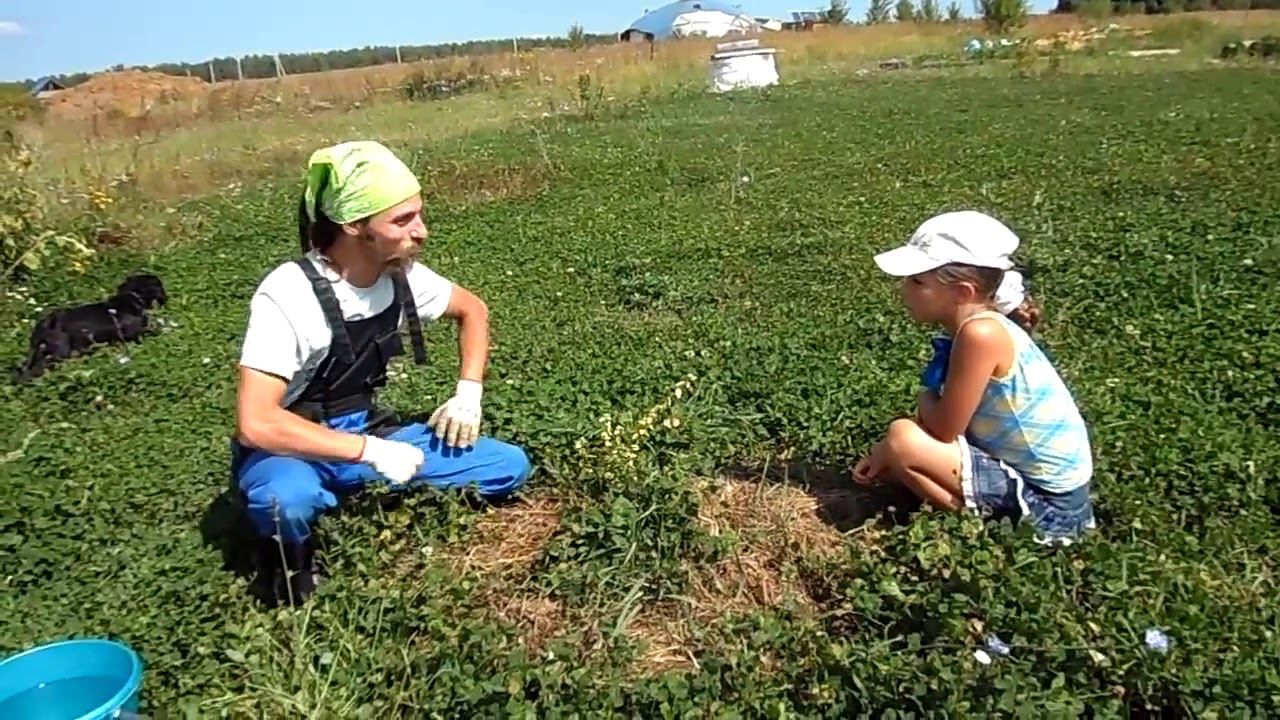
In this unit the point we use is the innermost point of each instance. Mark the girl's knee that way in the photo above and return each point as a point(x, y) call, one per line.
point(904, 439)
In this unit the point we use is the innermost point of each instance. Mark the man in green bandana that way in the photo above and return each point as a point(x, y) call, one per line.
point(321, 331)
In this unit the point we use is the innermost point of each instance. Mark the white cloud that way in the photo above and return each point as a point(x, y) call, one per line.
point(9, 28)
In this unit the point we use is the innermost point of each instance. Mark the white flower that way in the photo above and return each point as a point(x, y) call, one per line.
point(996, 645)
point(1156, 640)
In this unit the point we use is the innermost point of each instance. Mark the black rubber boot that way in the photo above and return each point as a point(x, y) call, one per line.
point(292, 582)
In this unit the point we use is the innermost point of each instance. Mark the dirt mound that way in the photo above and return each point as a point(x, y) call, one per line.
point(128, 93)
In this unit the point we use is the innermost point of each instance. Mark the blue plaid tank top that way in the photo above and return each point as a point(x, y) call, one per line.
point(1029, 419)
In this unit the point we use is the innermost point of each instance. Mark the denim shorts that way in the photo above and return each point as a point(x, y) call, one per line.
point(994, 489)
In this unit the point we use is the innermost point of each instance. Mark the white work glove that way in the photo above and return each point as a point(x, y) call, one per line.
point(457, 422)
point(396, 461)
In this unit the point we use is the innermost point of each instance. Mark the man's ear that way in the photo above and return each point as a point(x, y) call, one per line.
point(357, 230)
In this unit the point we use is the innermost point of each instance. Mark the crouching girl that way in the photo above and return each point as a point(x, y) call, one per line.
point(996, 431)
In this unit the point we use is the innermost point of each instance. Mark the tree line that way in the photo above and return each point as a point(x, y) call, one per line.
point(264, 66)
point(1152, 7)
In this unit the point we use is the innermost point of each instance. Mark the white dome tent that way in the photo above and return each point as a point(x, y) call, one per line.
point(691, 18)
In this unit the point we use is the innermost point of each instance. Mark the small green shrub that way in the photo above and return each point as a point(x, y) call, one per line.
point(27, 243)
point(589, 97)
point(577, 37)
point(1266, 47)
point(16, 105)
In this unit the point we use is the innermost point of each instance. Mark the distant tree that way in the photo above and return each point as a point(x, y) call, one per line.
point(838, 12)
point(1002, 16)
point(953, 12)
point(905, 11)
point(879, 11)
point(577, 37)
point(930, 11)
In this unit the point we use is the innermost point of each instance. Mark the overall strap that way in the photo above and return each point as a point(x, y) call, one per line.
point(404, 297)
point(340, 345)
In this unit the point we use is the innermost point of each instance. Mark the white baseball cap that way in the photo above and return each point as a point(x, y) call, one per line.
point(966, 236)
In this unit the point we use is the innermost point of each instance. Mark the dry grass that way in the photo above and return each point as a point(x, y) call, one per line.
point(665, 637)
point(537, 618)
point(477, 183)
point(210, 156)
point(502, 550)
point(507, 541)
point(777, 527)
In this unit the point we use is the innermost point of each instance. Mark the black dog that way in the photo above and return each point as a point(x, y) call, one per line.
point(68, 332)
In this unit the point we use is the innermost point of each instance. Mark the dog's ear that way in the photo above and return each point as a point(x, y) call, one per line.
point(134, 282)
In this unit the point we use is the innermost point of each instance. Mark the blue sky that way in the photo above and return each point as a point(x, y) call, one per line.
point(43, 37)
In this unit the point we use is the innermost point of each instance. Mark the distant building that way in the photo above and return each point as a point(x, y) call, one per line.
point(47, 86)
point(691, 18)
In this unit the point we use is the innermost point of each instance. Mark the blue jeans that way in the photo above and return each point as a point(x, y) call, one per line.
point(297, 491)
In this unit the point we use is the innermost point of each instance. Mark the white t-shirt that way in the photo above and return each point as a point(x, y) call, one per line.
point(287, 334)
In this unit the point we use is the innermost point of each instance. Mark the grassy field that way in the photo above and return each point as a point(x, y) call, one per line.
point(692, 342)
point(253, 130)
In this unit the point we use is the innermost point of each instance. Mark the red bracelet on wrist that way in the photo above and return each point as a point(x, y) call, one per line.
point(363, 442)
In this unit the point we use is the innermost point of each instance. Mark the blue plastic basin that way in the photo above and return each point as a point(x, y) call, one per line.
point(71, 680)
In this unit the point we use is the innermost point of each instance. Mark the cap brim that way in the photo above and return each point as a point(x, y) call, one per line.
point(905, 261)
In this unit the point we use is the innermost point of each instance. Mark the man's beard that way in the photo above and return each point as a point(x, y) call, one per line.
point(399, 262)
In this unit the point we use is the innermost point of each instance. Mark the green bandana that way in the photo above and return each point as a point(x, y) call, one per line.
point(355, 180)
